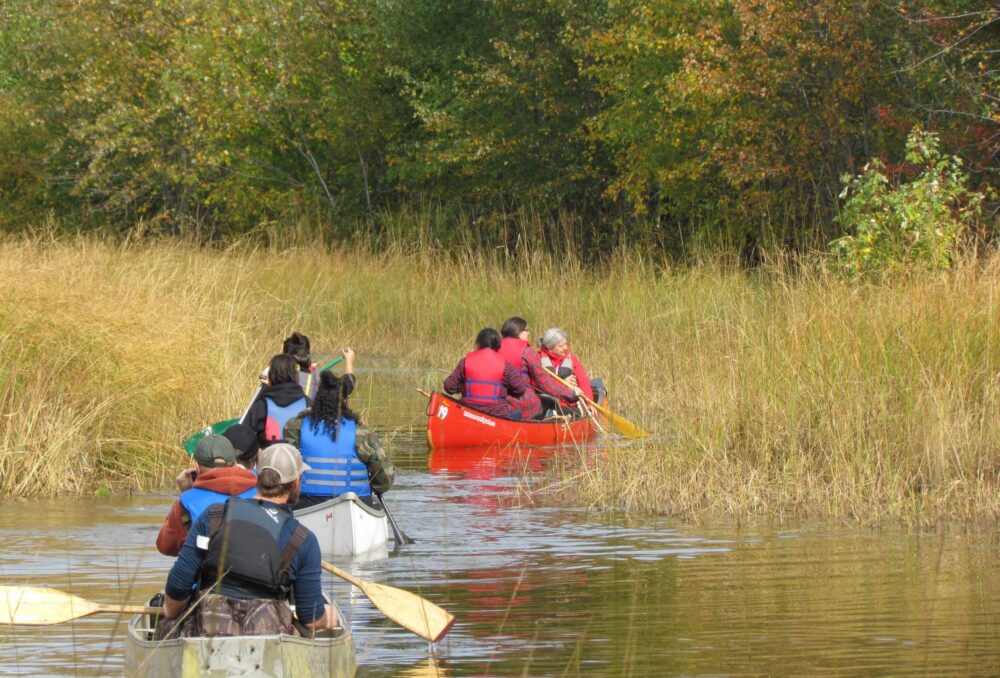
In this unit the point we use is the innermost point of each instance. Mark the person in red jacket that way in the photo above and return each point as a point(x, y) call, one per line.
point(556, 357)
point(516, 350)
point(486, 380)
point(216, 479)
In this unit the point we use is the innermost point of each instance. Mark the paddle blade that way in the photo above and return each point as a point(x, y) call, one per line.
point(36, 605)
point(620, 423)
point(409, 610)
point(216, 429)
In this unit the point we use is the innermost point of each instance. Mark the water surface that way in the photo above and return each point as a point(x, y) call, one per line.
point(541, 591)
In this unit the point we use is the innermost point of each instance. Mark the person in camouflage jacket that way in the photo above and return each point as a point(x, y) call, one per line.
point(331, 408)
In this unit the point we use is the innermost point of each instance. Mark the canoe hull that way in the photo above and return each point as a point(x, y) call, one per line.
point(330, 655)
point(451, 424)
point(346, 526)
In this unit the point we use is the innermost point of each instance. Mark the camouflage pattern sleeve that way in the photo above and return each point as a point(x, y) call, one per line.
point(369, 449)
point(293, 429)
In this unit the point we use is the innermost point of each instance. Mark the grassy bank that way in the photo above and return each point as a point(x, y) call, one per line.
point(770, 393)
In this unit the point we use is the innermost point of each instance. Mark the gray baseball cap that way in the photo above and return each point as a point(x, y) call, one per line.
point(284, 459)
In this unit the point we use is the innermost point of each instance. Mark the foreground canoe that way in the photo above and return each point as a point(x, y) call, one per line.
point(329, 654)
point(346, 526)
point(452, 424)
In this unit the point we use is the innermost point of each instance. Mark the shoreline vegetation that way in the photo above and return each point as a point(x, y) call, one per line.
point(785, 391)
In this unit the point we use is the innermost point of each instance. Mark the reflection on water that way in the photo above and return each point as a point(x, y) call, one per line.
point(541, 591)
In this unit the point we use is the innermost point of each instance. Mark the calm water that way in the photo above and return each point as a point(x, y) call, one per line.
point(552, 592)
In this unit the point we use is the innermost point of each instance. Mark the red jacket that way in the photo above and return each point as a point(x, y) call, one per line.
point(529, 365)
point(583, 381)
point(231, 480)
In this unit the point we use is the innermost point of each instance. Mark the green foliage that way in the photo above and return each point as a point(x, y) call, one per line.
point(667, 123)
point(919, 221)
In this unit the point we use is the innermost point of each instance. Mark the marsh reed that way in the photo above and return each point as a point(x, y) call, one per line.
point(785, 391)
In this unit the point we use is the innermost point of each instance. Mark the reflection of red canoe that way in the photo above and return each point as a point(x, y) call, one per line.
point(485, 463)
point(451, 424)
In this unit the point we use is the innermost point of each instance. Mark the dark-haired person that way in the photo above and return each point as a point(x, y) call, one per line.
point(279, 400)
point(246, 559)
point(216, 478)
point(555, 356)
point(297, 345)
point(516, 350)
point(245, 443)
point(344, 455)
point(486, 380)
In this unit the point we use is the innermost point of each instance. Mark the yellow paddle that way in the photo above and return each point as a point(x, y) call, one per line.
point(623, 425)
point(409, 610)
point(37, 605)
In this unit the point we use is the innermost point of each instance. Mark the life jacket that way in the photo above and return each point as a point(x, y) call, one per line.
point(278, 416)
point(565, 368)
point(484, 377)
point(512, 349)
point(243, 540)
point(335, 468)
point(196, 499)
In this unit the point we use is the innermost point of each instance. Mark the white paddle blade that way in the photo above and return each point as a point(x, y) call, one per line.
point(37, 605)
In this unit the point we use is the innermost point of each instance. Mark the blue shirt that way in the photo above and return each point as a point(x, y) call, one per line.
point(305, 571)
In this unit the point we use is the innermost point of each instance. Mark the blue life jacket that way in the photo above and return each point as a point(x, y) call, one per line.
point(196, 499)
point(278, 416)
point(335, 468)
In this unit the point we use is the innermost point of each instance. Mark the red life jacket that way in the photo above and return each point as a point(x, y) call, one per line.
point(484, 377)
point(512, 349)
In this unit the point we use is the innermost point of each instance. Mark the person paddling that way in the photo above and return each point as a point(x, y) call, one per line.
point(485, 379)
point(297, 346)
point(280, 400)
point(555, 356)
point(344, 455)
point(246, 560)
point(516, 350)
point(216, 478)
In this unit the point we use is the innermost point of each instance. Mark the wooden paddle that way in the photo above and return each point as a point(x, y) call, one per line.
point(38, 605)
point(621, 424)
point(409, 610)
point(220, 427)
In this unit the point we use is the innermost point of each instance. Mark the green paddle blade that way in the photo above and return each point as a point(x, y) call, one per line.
point(216, 429)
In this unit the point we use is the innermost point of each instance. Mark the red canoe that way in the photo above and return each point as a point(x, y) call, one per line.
point(451, 424)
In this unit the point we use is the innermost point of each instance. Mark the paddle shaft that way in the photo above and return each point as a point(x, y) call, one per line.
point(401, 537)
point(624, 426)
point(407, 609)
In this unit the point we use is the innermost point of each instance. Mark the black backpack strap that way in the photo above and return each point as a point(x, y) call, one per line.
point(287, 554)
point(215, 513)
point(292, 547)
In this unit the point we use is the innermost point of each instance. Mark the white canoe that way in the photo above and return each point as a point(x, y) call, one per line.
point(330, 653)
point(346, 526)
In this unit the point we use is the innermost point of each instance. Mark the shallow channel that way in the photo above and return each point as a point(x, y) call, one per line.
point(550, 592)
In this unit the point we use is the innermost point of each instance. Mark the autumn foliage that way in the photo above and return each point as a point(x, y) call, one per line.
point(677, 124)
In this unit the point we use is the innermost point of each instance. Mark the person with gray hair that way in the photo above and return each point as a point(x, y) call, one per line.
point(556, 357)
point(516, 350)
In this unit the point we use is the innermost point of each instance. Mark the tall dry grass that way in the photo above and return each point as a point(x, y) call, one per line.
point(787, 392)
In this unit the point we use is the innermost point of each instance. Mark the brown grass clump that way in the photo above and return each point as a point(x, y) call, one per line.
point(784, 392)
